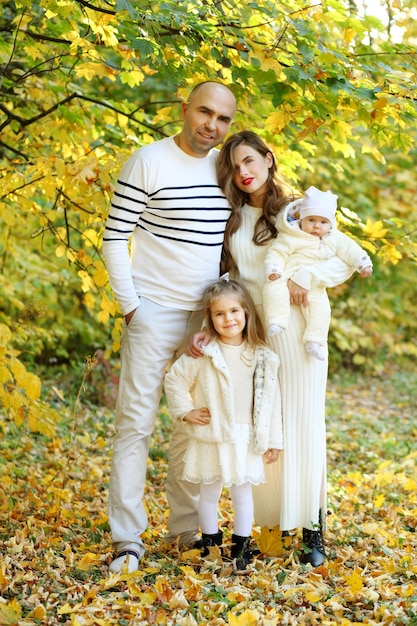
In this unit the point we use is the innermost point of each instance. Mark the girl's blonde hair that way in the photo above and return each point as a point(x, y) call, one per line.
point(253, 332)
point(278, 194)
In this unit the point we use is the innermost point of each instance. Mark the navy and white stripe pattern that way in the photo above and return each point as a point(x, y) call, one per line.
point(194, 214)
point(170, 213)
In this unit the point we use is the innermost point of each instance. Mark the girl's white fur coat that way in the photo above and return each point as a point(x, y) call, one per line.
point(206, 382)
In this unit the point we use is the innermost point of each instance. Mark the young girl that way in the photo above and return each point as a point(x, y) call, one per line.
point(230, 401)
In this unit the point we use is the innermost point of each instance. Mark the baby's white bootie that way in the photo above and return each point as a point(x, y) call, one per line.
point(274, 329)
point(314, 349)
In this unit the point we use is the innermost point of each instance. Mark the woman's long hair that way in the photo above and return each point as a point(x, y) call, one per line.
point(278, 194)
point(254, 332)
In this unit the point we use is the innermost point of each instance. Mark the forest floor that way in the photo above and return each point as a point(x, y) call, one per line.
point(56, 547)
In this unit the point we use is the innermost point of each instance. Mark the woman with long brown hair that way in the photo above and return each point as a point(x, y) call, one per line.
point(294, 495)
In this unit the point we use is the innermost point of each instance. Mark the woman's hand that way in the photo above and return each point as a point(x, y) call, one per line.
point(198, 341)
point(271, 455)
point(298, 295)
point(198, 416)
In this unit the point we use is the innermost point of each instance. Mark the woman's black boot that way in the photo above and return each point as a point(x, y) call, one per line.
point(241, 552)
point(313, 546)
point(210, 540)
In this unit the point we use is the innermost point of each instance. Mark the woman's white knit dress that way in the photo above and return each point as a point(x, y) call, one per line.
point(295, 488)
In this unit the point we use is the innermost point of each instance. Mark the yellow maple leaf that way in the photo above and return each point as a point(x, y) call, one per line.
point(410, 485)
point(409, 591)
point(100, 277)
point(110, 306)
point(91, 70)
point(66, 608)
point(90, 236)
point(5, 374)
point(376, 230)
point(312, 596)
point(10, 613)
point(38, 613)
point(147, 598)
point(348, 35)
point(39, 420)
point(148, 70)
point(278, 120)
point(379, 501)
point(355, 582)
point(389, 566)
point(89, 300)
point(84, 258)
point(60, 251)
point(266, 57)
point(163, 115)
point(247, 618)
point(390, 254)
point(103, 317)
point(132, 78)
point(343, 147)
point(368, 245)
point(87, 283)
point(366, 149)
point(5, 335)
point(32, 386)
point(4, 581)
point(19, 372)
point(270, 541)
point(384, 478)
point(87, 560)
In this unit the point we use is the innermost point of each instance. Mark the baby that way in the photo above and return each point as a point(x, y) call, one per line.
point(307, 234)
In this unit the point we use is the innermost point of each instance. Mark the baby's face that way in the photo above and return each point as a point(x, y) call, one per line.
point(316, 225)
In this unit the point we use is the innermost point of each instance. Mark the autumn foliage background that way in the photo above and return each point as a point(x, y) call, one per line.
point(332, 90)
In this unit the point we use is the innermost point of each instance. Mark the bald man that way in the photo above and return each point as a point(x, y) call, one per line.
point(162, 246)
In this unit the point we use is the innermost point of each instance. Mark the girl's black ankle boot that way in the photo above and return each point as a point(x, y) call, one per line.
point(210, 540)
point(241, 552)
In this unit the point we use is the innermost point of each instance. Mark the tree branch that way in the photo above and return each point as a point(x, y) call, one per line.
point(93, 8)
point(23, 122)
point(14, 150)
point(38, 37)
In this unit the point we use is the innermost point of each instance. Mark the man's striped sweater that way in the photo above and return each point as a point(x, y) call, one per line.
point(170, 208)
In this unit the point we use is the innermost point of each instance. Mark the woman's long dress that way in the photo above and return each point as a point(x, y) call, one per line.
point(295, 488)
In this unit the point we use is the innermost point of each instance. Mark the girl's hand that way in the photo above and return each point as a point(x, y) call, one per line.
point(271, 455)
point(198, 416)
point(198, 340)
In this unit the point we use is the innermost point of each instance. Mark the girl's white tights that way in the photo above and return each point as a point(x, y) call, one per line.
point(242, 504)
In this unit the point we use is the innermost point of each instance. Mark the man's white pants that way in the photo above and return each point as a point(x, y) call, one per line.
point(148, 344)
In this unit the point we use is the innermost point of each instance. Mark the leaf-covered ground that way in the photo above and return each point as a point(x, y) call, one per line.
point(56, 545)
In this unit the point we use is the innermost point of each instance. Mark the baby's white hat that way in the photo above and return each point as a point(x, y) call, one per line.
point(321, 203)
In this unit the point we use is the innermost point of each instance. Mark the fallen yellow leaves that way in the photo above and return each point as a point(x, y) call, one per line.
point(56, 541)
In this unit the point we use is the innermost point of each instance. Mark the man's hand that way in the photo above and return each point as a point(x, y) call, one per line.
point(198, 416)
point(198, 341)
point(298, 295)
point(129, 316)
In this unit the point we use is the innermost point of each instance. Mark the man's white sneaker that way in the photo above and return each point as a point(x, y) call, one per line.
point(128, 559)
